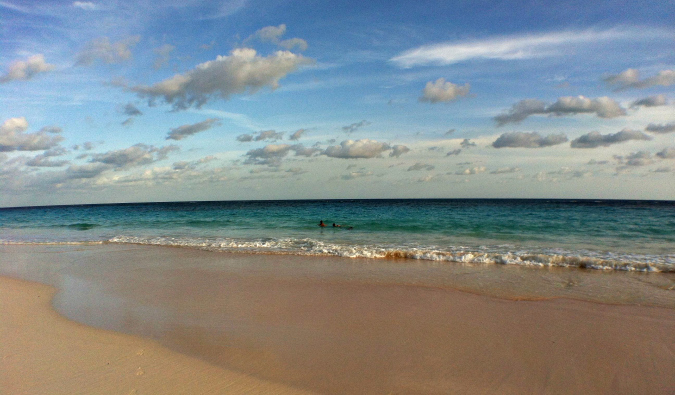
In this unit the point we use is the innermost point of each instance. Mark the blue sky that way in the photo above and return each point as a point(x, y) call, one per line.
point(203, 100)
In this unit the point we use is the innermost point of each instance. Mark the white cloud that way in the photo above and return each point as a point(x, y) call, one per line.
point(630, 78)
point(357, 174)
point(102, 49)
point(272, 34)
point(184, 131)
point(243, 71)
point(13, 138)
point(26, 69)
point(510, 47)
point(595, 139)
point(528, 140)
point(443, 91)
point(85, 5)
point(350, 149)
point(603, 107)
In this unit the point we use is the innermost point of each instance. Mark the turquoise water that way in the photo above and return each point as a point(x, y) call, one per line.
point(609, 235)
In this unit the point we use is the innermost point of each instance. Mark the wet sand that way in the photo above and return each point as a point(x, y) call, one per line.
point(356, 326)
point(43, 353)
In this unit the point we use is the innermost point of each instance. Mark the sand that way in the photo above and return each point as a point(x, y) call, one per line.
point(330, 326)
point(44, 353)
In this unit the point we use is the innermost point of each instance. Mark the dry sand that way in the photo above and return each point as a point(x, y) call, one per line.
point(325, 325)
point(44, 353)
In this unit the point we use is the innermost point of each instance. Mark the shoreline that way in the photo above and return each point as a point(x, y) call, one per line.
point(344, 326)
point(44, 353)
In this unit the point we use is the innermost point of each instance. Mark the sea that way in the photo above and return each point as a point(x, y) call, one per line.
point(614, 235)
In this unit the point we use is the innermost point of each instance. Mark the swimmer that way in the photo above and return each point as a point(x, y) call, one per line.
point(321, 224)
point(336, 226)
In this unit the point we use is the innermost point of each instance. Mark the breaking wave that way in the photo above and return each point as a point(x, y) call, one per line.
point(503, 255)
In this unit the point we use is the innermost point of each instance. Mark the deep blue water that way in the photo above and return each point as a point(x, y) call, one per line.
point(624, 235)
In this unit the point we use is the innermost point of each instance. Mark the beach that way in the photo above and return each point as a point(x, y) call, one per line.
point(178, 320)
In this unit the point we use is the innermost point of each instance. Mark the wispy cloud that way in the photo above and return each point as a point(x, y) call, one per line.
point(513, 47)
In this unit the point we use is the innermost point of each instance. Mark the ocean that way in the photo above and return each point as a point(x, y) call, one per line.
point(591, 234)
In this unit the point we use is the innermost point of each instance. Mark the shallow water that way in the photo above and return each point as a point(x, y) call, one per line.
point(607, 235)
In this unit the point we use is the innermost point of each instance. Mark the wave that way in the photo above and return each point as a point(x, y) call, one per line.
point(502, 255)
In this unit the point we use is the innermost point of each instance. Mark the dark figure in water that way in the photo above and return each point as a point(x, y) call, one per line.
point(321, 224)
point(336, 226)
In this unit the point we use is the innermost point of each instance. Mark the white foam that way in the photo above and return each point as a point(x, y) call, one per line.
point(504, 254)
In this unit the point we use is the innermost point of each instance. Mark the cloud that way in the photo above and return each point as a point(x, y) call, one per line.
point(163, 54)
point(398, 150)
point(85, 5)
point(443, 91)
point(595, 139)
point(355, 126)
point(270, 155)
point(272, 34)
point(51, 129)
point(603, 107)
point(508, 48)
point(297, 134)
point(44, 161)
point(454, 152)
point(630, 78)
point(352, 149)
point(356, 174)
point(136, 155)
point(658, 128)
point(295, 42)
point(131, 110)
point(301, 150)
point(651, 101)
point(421, 166)
point(13, 138)
point(528, 140)
point(641, 158)
point(667, 153)
point(89, 170)
point(25, 70)
point(466, 144)
point(184, 131)
point(260, 136)
point(110, 53)
point(471, 171)
point(506, 170)
point(269, 135)
point(185, 165)
point(243, 71)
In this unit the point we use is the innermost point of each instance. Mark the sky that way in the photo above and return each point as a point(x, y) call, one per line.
point(135, 101)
